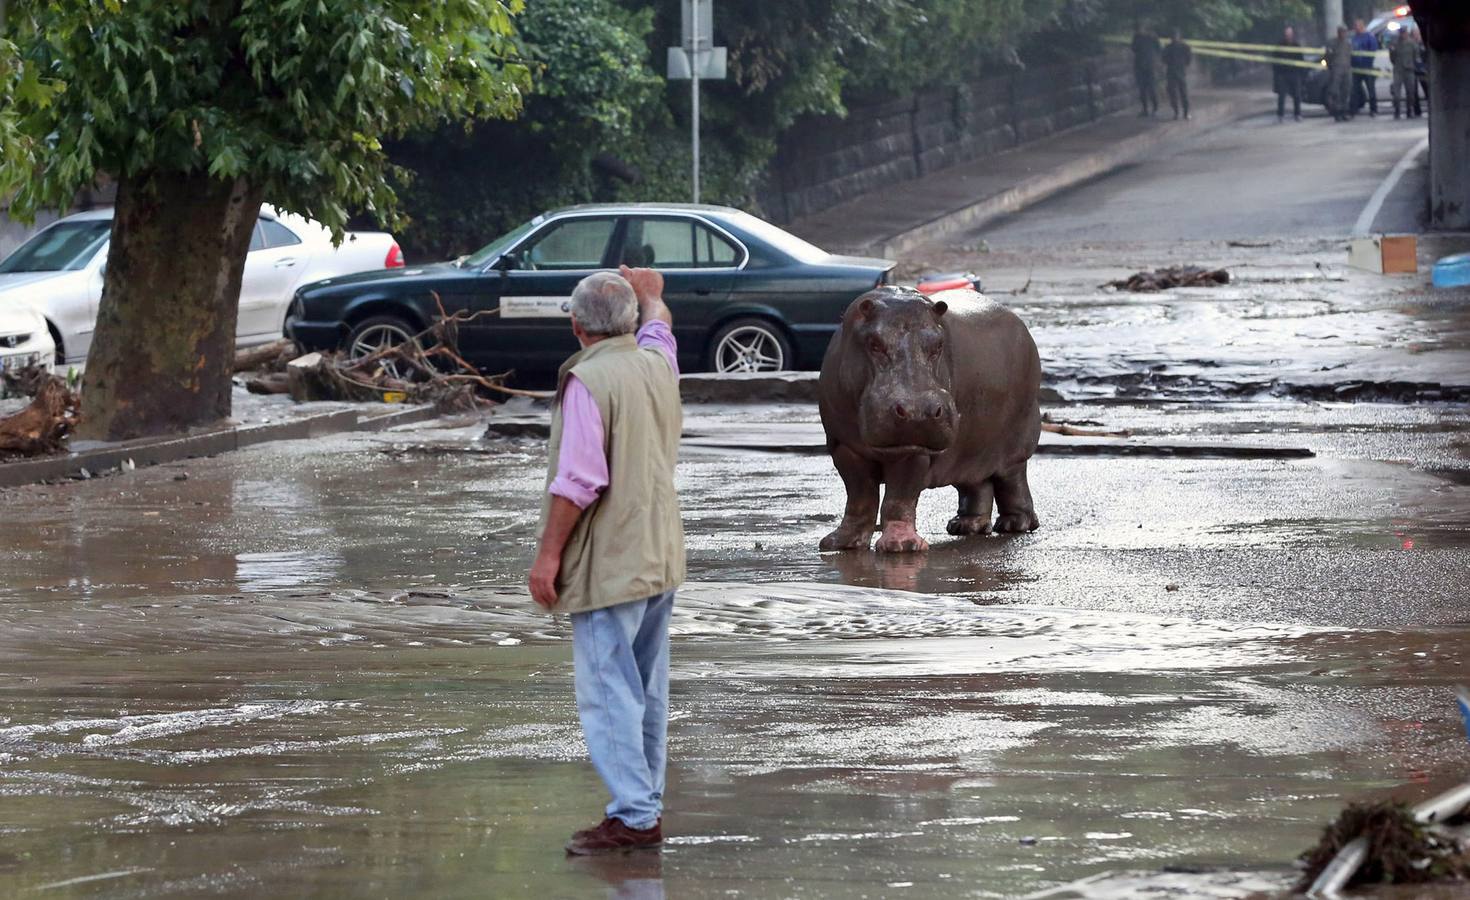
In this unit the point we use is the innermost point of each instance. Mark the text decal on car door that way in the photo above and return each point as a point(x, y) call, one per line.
point(535, 307)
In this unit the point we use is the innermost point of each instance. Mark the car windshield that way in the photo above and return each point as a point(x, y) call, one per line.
point(486, 254)
point(784, 241)
point(64, 247)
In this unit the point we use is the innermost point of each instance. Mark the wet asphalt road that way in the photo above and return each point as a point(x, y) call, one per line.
point(1253, 179)
point(311, 668)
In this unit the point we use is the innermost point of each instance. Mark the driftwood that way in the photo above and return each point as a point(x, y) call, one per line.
point(44, 426)
point(1076, 429)
point(272, 356)
point(1171, 277)
point(425, 369)
point(269, 383)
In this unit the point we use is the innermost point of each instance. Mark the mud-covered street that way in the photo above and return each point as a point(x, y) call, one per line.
point(321, 657)
point(313, 667)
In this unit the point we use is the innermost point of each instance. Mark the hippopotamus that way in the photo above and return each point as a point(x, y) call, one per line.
point(919, 392)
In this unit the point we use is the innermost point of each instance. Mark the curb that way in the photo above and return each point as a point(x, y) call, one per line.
point(154, 451)
point(1039, 187)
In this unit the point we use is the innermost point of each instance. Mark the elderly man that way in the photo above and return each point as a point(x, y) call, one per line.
point(612, 544)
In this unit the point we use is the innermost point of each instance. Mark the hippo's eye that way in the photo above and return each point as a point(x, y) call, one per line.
point(876, 347)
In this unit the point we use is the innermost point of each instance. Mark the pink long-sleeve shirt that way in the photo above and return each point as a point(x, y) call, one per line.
point(581, 469)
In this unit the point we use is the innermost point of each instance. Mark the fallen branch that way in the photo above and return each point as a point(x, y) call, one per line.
point(1171, 277)
point(273, 356)
point(1074, 431)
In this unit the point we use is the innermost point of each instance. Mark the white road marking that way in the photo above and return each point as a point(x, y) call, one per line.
point(1364, 225)
point(102, 876)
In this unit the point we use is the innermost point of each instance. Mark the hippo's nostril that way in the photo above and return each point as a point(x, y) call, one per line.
point(899, 411)
point(937, 412)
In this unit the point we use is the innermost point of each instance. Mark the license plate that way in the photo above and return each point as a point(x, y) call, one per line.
point(8, 363)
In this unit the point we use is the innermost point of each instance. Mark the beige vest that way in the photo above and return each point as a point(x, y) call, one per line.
point(629, 544)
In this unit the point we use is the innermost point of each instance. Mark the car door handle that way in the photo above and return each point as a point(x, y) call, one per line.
point(701, 292)
point(286, 263)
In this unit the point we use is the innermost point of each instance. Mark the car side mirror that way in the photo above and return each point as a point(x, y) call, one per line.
point(508, 262)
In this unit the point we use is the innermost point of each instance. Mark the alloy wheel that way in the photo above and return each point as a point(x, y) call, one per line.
point(750, 348)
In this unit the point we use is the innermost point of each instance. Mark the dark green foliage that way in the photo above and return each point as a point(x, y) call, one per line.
point(294, 96)
point(601, 92)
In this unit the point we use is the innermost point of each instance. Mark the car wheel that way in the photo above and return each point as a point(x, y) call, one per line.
point(750, 345)
point(379, 333)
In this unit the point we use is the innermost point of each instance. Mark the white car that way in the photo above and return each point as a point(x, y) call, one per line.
point(24, 340)
point(58, 273)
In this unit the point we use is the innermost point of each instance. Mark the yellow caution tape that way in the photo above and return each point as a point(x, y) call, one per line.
point(394, 397)
point(1271, 60)
point(1236, 45)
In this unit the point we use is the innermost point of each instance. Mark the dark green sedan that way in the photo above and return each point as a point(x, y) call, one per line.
point(746, 296)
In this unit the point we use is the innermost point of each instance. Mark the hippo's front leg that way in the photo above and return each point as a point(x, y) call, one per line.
point(860, 477)
point(1013, 499)
point(903, 481)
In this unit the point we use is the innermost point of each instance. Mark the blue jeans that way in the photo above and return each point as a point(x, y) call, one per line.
point(621, 657)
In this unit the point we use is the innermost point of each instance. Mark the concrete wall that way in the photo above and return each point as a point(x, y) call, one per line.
point(824, 161)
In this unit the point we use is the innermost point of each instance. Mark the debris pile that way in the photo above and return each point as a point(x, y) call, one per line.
point(43, 426)
point(1171, 277)
point(425, 369)
point(1386, 843)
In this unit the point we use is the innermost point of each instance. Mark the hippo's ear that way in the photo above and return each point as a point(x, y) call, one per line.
point(940, 307)
point(865, 308)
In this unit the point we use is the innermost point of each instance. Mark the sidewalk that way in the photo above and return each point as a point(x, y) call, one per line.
point(891, 221)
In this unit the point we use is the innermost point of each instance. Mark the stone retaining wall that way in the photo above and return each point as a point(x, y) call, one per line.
point(824, 161)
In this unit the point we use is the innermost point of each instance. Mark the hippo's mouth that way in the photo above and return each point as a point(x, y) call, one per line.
point(905, 450)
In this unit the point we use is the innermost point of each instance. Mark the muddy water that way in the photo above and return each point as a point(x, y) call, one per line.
point(311, 669)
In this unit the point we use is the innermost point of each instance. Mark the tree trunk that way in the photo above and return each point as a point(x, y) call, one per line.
point(1449, 139)
point(164, 349)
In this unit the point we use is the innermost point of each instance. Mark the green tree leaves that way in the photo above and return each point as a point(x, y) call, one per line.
point(293, 95)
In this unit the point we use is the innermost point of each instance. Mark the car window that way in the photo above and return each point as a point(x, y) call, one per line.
point(490, 251)
point(675, 244)
point(277, 235)
point(64, 247)
point(572, 244)
point(257, 239)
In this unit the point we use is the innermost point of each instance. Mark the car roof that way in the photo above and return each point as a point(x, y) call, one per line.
point(105, 212)
point(645, 207)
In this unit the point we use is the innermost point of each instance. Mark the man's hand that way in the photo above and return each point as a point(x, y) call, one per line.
point(543, 579)
point(648, 287)
point(648, 284)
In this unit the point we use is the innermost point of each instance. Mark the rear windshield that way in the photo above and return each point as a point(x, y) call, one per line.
point(63, 247)
point(784, 241)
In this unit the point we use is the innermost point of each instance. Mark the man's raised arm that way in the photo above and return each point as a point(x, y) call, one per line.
point(648, 287)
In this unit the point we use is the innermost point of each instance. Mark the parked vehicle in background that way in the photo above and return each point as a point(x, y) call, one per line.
point(746, 296)
point(24, 341)
point(58, 273)
point(1384, 27)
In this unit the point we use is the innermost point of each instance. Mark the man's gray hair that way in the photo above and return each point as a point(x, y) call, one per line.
point(605, 305)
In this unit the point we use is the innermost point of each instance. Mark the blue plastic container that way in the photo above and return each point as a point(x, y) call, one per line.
point(1452, 271)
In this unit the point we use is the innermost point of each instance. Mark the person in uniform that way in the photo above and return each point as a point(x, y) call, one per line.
point(1177, 57)
point(1404, 56)
point(1286, 77)
point(1340, 76)
point(1145, 69)
point(1365, 85)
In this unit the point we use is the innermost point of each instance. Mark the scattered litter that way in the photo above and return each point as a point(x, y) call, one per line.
point(1171, 277)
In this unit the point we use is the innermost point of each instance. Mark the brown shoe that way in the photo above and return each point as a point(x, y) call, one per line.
point(613, 836)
